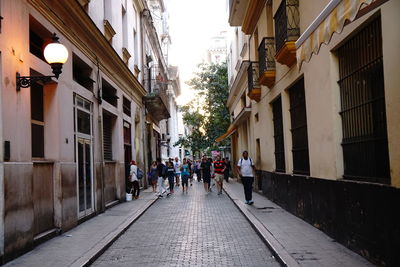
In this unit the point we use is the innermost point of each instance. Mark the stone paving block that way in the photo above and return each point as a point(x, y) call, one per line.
point(191, 229)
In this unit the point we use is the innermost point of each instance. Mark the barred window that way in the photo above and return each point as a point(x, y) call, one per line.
point(365, 144)
point(108, 124)
point(278, 136)
point(298, 119)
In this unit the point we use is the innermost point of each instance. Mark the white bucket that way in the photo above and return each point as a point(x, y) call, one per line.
point(128, 197)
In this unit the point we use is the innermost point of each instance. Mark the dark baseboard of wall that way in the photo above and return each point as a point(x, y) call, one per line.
point(364, 217)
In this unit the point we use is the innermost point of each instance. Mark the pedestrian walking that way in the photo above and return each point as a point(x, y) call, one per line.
point(161, 172)
point(227, 170)
point(133, 170)
point(198, 170)
point(212, 172)
point(153, 176)
point(171, 176)
point(206, 173)
point(177, 166)
point(189, 162)
point(185, 171)
point(219, 169)
point(246, 170)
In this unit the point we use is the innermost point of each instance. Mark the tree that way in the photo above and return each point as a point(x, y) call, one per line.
point(207, 116)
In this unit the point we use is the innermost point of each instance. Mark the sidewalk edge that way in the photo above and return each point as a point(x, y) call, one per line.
point(95, 252)
point(277, 249)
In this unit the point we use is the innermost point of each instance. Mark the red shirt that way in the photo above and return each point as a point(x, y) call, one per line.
point(219, 166)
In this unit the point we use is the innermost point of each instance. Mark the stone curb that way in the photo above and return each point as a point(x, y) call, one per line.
point(97, 250)
point(278, 250)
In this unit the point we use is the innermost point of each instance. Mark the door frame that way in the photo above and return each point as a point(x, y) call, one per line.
point(86, 139)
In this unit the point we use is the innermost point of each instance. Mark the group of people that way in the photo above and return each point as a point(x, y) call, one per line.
point(174, 171)
point(206, 170)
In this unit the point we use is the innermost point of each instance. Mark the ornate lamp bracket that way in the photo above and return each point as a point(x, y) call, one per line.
point(27, 81)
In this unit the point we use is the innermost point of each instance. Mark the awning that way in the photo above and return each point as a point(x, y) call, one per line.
point(228, 133)
point(332, 19)
point(242, 116)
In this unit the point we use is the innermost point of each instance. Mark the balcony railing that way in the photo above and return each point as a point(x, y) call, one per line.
point(254, 86)
point(266, 53)
point(157, 99)
point(287, 22)
point(287, 31)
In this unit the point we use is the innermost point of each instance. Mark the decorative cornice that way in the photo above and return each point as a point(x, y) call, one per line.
point(73, 23)
point(83, 2)
point(108, 29)
point(253, 13)
point(126, 53)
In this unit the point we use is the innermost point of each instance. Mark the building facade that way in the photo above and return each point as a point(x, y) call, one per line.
point(66, 143)
point(313, 98)
point(216, 53)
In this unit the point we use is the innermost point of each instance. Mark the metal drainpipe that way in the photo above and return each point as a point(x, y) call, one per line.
point(100, 122)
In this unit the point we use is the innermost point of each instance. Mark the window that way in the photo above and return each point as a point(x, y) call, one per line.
point(298, 119)
point(109, 93)
point(37, 120)
point(38, 36)
point(83, 109)
point(127, 133)
point(256, 117)
point(108, 124)
point(278, 136)
point(124, 28)
point(81, 72)
point(126, 106)
point(243, 100)
point(365, 144)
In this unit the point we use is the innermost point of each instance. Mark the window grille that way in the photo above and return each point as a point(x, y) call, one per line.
point(278, 136)
point(298, 119)
point(365, 144)
point(107, 136)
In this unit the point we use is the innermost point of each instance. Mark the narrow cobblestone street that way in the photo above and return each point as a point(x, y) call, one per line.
point(191, 229)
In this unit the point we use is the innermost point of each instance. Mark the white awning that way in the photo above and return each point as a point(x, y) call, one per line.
point(332, 19)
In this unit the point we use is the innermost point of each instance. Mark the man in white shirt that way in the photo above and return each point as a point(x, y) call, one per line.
point(246, 170)
point(177, 167)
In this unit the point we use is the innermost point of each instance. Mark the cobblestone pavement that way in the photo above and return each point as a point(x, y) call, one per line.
point(191, 229)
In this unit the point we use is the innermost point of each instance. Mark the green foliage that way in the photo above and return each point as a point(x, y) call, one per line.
point(207, 116)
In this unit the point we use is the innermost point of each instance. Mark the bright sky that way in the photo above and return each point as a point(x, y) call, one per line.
point(191, 24)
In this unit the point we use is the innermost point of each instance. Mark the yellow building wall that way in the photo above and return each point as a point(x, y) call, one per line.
point(322, 96)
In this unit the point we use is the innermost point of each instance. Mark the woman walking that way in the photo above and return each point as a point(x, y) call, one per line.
point(171, 176)
point(206, 173)
point(134, 180)
point(153, 176)
point(185, 172)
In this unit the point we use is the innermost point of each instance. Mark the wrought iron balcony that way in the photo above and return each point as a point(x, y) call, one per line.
point(287, 31)
point(254, 86)
point(156, 100)
point(266, 53)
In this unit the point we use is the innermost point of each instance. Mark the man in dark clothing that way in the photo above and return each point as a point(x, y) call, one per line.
point(227, 169)
point(206, 172)
point(161, 172)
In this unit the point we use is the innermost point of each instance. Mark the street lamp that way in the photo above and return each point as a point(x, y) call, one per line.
point(56, 55)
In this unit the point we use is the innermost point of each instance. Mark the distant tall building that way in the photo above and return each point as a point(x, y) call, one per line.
point(217, 51)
